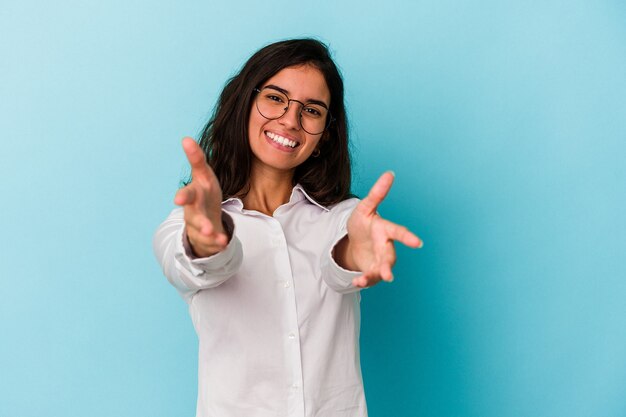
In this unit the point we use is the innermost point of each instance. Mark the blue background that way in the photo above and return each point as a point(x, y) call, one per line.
point(504, 121)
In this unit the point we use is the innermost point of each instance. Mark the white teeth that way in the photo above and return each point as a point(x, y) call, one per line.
point(283, 141)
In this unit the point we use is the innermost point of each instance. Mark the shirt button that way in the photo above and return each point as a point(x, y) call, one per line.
point(291, 336)
point(295, 386)
point(286, 284)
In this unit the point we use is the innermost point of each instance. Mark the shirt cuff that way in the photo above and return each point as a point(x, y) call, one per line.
point(215, 262)
point(337, 277)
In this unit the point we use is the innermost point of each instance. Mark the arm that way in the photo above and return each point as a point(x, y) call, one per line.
point(196, 245)
point(201, 200)
point(339, 276)
point(182, 268)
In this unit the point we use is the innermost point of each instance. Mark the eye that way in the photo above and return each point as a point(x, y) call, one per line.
point(274, 98)
point(312, 111)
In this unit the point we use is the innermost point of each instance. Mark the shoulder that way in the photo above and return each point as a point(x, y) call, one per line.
point(344, 208)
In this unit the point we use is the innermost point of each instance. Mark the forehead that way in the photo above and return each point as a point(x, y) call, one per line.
point(304, 82)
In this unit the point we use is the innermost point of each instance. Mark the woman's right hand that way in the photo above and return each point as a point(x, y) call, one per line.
point(201, 200)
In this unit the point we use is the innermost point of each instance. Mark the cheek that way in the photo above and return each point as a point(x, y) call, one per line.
point(315, 141)
point(255, 124)
point(255, 131)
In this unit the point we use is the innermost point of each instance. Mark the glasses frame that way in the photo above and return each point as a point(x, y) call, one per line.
point(329, 116)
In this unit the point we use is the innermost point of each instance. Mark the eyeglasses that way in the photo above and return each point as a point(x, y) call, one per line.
point(314, 117)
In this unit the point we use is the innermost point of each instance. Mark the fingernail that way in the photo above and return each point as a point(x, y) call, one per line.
point(421, 244)
point(392, 173)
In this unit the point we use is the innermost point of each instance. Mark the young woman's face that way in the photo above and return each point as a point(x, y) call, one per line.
point(272, 141)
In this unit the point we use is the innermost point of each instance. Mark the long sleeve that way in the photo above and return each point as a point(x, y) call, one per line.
point(336, 277)
point(185, 272)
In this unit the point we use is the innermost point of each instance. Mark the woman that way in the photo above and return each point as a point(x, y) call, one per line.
point(269, 249)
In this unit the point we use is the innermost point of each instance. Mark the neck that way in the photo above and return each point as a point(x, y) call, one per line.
point(269, 189)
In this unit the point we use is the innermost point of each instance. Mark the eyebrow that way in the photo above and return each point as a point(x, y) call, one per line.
point(308, 101)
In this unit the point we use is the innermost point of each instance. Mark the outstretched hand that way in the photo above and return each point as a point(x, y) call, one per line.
point(370, 242)
point(201, 200)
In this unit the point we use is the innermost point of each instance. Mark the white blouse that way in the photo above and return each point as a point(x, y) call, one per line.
point(277, 319)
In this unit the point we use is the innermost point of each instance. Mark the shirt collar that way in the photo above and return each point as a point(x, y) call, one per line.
point(233, 201)
point(297, 194)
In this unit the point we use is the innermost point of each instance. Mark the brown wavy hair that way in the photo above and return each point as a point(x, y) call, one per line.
point(224, 139)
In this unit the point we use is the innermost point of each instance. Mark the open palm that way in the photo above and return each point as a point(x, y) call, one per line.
point(371, 238)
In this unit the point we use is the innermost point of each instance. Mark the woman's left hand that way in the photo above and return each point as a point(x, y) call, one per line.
point(369, 246)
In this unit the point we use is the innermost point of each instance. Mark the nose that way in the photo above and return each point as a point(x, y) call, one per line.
point(291, 118)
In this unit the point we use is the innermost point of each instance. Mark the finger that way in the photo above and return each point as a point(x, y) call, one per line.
point(361, 282)
point(368, 279)
point(385, 256)
point(377, 193)
point(221, 239)
point(212, 243)
point(365, 281)
point(197, 159)
point(206, 227)
point(402, 235)
point(184, 196)
point(203, 246)
point(387, 260)
point(200, 222)
point(385, 272)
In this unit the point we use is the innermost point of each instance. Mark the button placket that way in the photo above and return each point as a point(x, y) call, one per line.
point(279, 243)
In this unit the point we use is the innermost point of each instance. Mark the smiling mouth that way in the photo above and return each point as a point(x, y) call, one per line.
point(282, 140)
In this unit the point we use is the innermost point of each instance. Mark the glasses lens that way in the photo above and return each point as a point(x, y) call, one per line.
point(313, 118)
point(273, 104)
